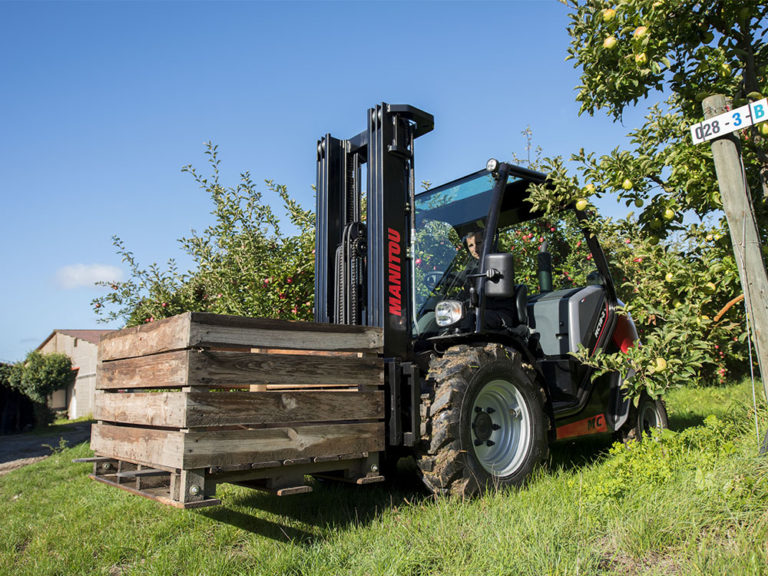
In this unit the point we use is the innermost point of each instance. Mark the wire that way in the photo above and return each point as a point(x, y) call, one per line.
point(752, 373)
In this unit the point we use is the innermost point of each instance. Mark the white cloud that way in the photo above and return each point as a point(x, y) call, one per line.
point(80, 275)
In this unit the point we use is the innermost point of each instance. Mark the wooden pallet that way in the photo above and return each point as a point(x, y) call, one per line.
point(191, 401)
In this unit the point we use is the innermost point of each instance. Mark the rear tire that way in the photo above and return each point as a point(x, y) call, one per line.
point(485, 426)
point(649, 413)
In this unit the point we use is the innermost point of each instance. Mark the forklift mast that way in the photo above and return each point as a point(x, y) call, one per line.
point(362, 271)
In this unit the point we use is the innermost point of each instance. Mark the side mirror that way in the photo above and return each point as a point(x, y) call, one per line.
point(594, 278)
point(545, 268)
point(501, 276)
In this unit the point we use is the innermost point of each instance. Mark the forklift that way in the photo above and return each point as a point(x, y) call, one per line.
point(480, 315)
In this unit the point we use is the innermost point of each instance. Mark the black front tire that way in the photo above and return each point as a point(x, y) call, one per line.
point(649, 413)
point(485, 426)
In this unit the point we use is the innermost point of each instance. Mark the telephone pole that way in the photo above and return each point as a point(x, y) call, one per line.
point(745, 237)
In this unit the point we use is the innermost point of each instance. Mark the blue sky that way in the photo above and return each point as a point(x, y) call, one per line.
point(101, 104)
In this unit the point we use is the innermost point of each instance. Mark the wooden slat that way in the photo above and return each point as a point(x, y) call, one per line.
point(198, 329)
point(259, 408)
point(159, 494)
point(166, 370)
point(225, 369)
point(160, 336)
point(230, 447)
point(166, 409)
point(219, 330)
point(145, 473)
point(298, 386)
point(139, 445)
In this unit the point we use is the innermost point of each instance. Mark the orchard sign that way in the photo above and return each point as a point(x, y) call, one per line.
point(731, 121)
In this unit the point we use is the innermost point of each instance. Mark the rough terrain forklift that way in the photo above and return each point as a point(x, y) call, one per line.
point(479, 312)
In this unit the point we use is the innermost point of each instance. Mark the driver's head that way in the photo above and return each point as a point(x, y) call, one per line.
point(474, 241)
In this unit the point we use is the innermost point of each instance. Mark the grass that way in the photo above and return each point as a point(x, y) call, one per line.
point(693, 502)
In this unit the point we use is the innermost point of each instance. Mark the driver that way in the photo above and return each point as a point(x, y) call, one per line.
point(474, 243)
point(497, 312)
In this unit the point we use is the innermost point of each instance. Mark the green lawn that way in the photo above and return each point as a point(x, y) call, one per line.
point(693, 502)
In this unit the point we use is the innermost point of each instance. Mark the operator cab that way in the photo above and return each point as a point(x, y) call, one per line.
point(559, 299)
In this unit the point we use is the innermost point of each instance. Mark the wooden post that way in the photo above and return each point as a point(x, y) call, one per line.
point(745, 238)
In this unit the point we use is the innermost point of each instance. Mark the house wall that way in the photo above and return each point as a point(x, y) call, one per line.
point(79, 396)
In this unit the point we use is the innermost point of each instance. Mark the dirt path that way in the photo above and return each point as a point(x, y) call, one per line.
point(17, 450)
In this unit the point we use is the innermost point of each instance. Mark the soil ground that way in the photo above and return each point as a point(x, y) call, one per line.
point(17, 450)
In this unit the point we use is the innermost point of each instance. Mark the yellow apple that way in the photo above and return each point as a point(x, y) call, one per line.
point(627, 184)
point(669, 214)
point(581, 204)
point(609, 14)
point(640, 32)
point(609, 42)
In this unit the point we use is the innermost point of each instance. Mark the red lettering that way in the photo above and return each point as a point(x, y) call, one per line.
point(394, 253)
point(394, 272)
point(590, 425)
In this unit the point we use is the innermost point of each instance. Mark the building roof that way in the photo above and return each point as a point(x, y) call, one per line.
point(91, 336)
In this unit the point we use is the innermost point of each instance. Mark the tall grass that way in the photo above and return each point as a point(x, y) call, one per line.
point(694, 501)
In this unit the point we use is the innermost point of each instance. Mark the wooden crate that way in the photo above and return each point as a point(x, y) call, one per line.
point(204, 397)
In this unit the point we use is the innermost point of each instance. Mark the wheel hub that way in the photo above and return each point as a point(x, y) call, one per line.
point(500, 427)
point(482, 426)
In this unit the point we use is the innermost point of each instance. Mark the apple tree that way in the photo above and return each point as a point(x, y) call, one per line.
point(676, 268)
point(244, 263)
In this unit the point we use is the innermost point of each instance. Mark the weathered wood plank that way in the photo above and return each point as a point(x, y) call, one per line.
point(140, 445)
point(224, 369)
point(230, 447)
point(198, 329)
point(160, 336)
point(259, 408)
point(215, 369)
point(166, 409)
point(166, 370)
point(219, 330)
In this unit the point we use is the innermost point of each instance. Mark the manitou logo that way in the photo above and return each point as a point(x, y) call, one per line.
point(394, 267)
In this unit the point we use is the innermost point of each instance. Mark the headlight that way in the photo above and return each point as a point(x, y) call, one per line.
point(448, 312)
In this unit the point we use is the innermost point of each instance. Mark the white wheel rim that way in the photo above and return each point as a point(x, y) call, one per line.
point(500, 447)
